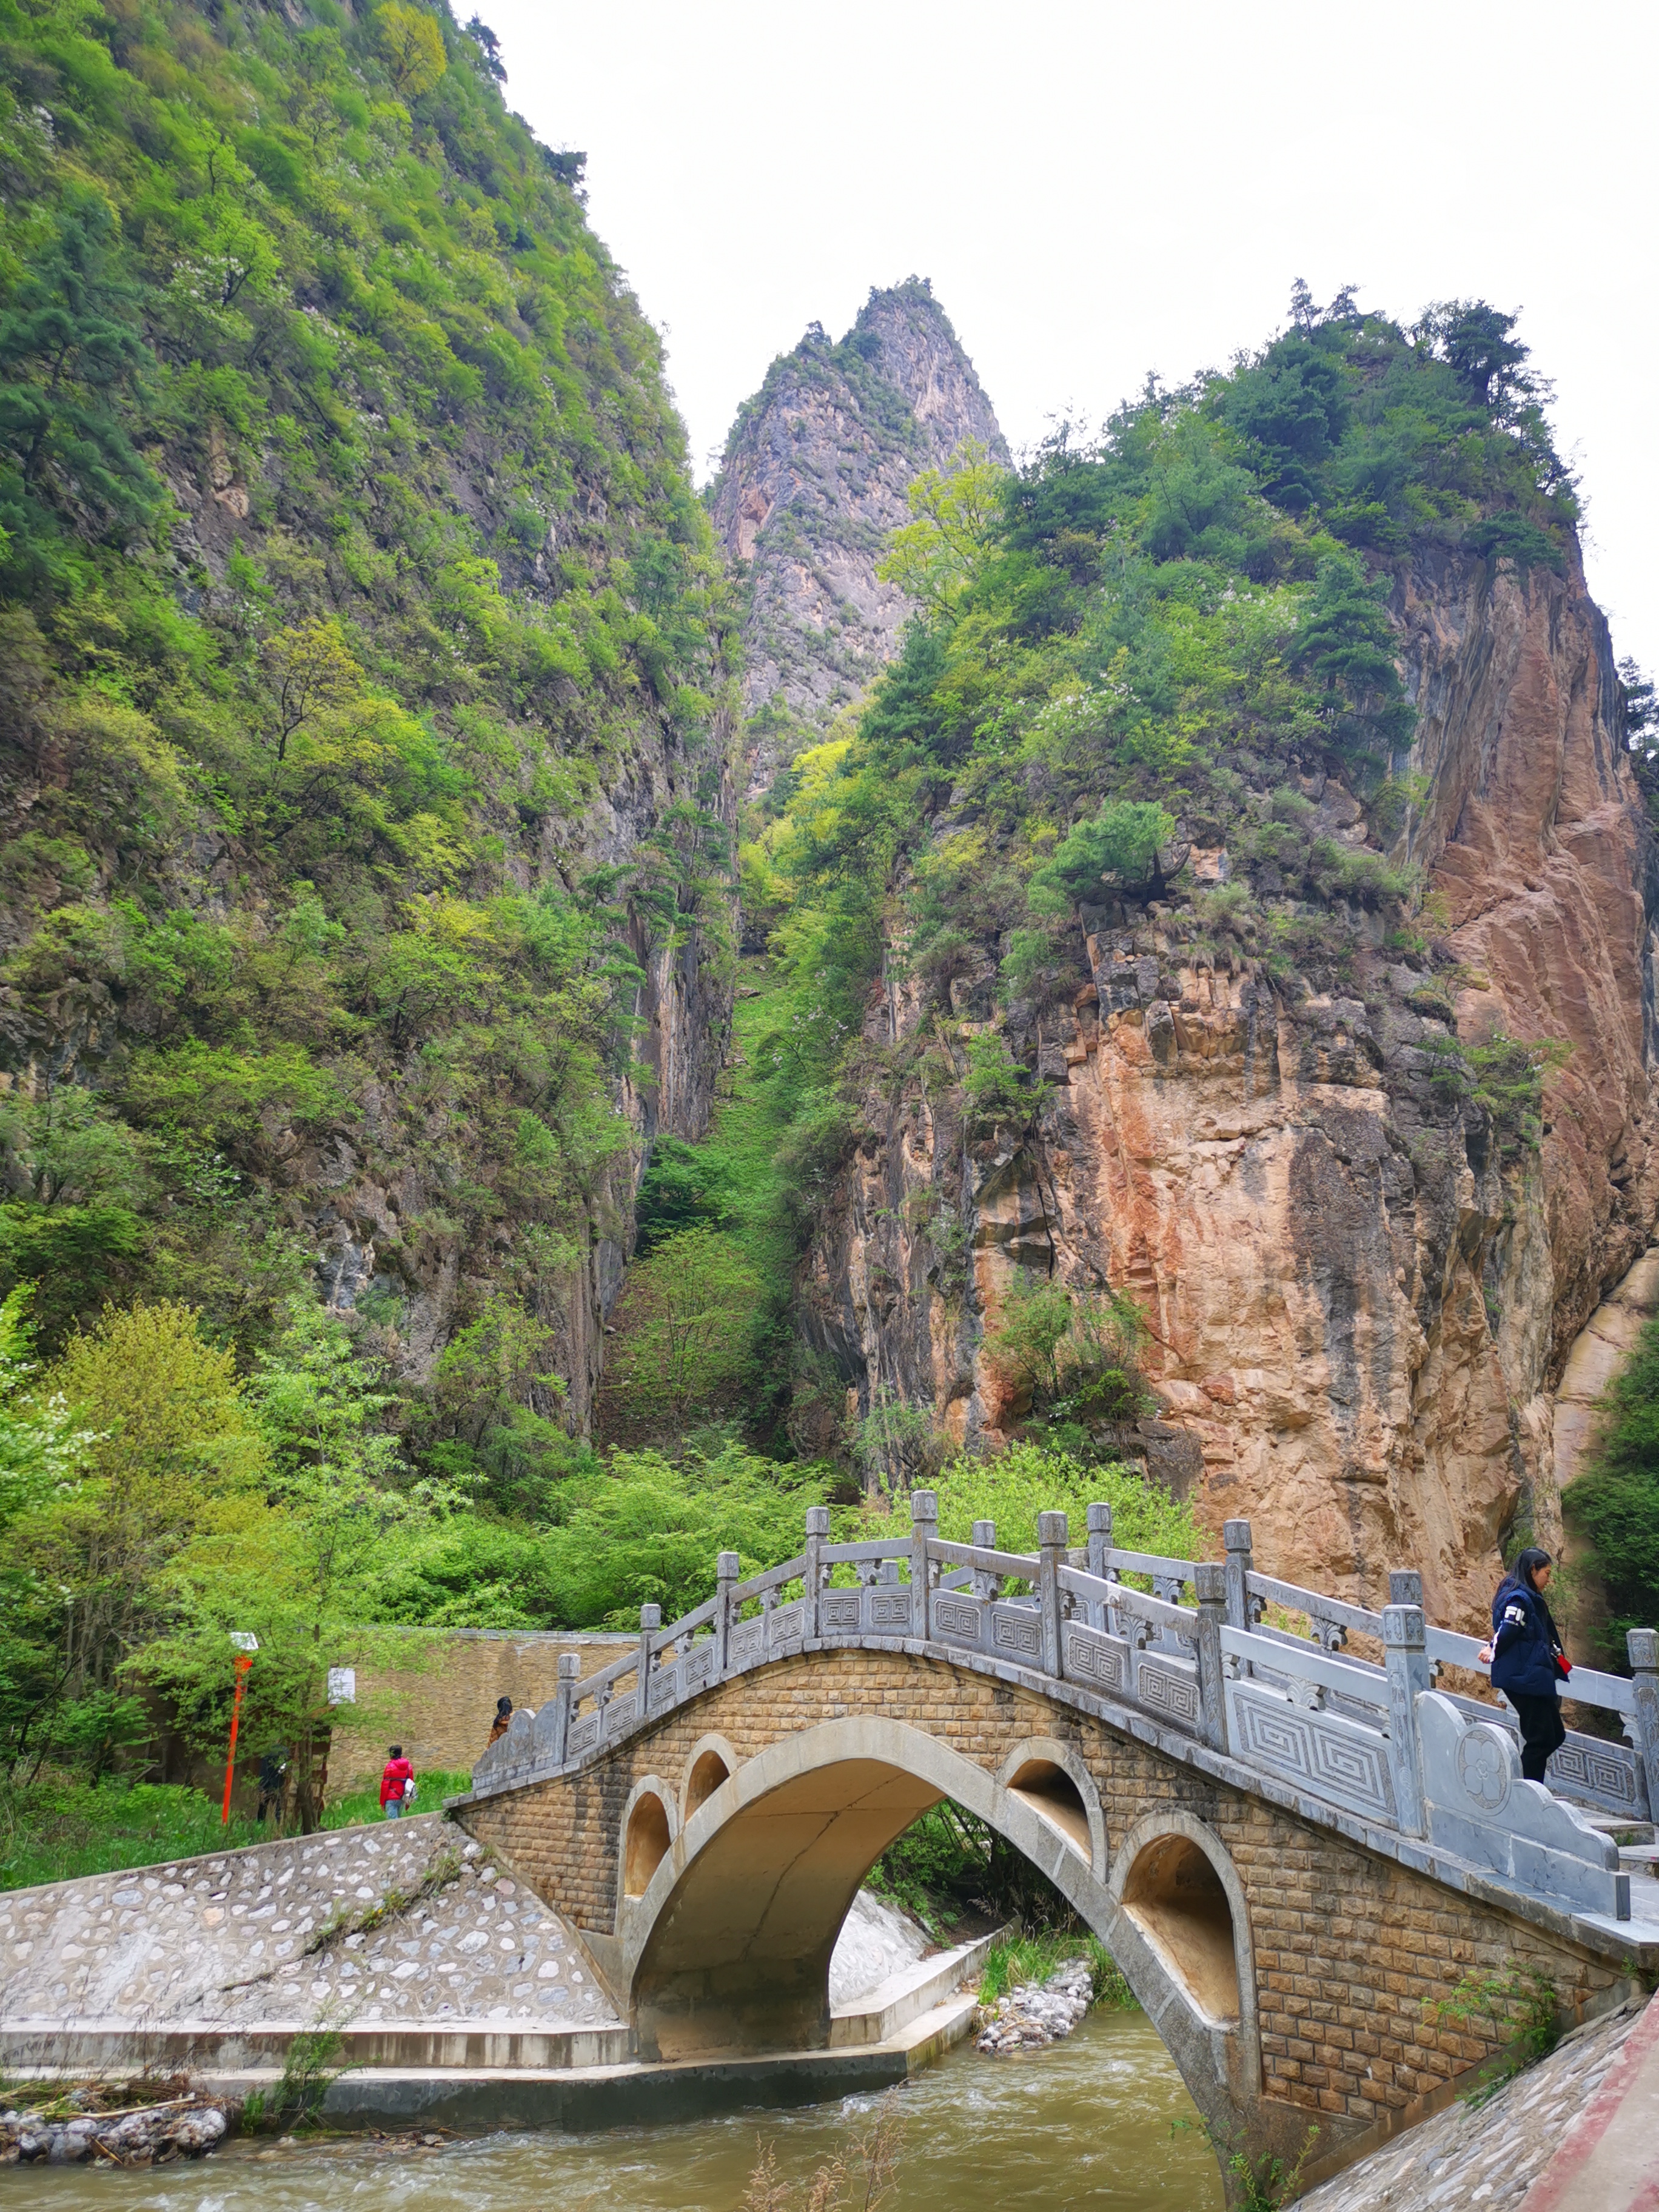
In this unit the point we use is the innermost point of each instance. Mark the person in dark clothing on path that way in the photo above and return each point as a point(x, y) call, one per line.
point(273, 1782)
point(503, 1721)
point(1528, 1660)
point(397, 1784)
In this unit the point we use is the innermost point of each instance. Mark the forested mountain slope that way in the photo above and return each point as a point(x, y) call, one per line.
point(1214, 986)
point(366, 692)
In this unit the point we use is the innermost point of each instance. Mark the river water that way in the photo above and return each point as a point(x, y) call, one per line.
point(1091, 2122)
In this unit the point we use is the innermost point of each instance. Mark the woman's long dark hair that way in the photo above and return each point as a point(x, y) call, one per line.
point(1523, 1576)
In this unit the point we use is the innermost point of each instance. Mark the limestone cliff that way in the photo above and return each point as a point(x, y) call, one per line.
point(1361, 1287)
point(813, 478)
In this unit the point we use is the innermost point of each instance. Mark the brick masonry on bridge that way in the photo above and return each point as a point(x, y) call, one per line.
point(1351, 1948)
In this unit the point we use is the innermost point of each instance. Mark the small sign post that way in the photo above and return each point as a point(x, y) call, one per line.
point(246, 1646)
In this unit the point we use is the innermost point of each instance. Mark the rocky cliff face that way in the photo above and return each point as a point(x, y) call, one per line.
point(814, 478)
point(1361, 1287)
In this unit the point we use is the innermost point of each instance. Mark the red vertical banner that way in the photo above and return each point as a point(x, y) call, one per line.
point(243, 1662)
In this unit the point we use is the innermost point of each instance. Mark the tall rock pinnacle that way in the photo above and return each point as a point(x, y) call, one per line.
point(813, 479)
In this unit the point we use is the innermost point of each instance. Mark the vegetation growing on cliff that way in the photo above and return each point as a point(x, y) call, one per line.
point(1614, 1502)
point(1151, 689)
point(350, 561)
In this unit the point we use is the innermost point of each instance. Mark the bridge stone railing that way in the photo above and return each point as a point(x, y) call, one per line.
point(1195, 1653)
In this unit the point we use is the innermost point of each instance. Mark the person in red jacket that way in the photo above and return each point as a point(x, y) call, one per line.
point(397, 1784)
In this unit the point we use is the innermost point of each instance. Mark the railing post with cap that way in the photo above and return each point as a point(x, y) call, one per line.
point(923, 1526)
point(727, 1565)
point(1052, 1535)
point(564, 1697)
point(1236, 1536)
point(1642, 1645)
point(818, 1528)
point(650, 1622)
point(1100, 1542)
point(1407, 1662)
point(1210, 1581)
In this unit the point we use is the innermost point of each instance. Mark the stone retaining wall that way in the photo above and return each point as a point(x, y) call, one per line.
point(440, 1713)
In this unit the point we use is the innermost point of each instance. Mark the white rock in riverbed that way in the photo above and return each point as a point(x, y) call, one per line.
point(1037, 2013)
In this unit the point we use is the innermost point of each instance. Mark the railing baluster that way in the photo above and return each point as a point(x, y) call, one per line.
point(570, 1668)
point(923, 1526)
point(1407, 1662)
point(1642, 1645)
point(1051, 1557)
point(1100, 1543)
point(727, 1566)
point(818, 1528)
point(650, 1622)
point(1236, 1536)
point(1210, 1580)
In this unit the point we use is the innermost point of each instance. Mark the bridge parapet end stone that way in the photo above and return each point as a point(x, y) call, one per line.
point(1480, 1806)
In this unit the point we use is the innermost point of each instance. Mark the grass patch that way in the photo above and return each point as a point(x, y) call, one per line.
point(1033, 1958)
point(59, 1828)
point(359, 1806)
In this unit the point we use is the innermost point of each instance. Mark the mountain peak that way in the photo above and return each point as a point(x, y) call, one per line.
point(813, 479)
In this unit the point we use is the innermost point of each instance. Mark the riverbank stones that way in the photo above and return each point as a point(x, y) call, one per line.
point(1038, 2013)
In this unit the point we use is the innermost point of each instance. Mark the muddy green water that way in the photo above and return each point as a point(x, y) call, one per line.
point(1086, 2123)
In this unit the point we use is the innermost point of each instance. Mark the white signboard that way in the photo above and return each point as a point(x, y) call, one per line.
point(342, 1686)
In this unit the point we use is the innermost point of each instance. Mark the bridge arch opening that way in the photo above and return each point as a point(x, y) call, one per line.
point(1052, 1795)
point(645, 1843)
point(728, 1951)
point(709, 1767)
point(1175, 1897)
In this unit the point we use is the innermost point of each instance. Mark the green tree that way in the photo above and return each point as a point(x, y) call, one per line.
point(413, 47)
point(685, 1334)
point(303, 1562)
point(1122, 843)
point(937, 557)
point(169, 1437)
point(1615, 1503)
point(43, 1451)
point(73, 365)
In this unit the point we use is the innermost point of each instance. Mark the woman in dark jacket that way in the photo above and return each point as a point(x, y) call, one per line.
point(1527, 1660)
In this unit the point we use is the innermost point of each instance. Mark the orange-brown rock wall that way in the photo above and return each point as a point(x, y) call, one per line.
point(1360, 1292)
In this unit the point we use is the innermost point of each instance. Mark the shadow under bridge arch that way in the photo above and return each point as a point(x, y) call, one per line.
point(728, 1949)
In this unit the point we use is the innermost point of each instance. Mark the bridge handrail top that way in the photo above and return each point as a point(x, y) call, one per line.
point(1316, 1604)
point(1150, 1563)
point(773, 1578)
point(702, 1617)
point(1591, 1687)
point(879, 1547)
point(1157, 1610)
point(1286, 1636)
point(1369, 1686)
point(603, 1678)
point(990, 1563)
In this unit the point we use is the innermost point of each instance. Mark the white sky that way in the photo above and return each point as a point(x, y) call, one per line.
point(1100, 190)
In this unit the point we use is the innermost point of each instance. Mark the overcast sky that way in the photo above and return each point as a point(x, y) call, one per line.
point(1099, 190)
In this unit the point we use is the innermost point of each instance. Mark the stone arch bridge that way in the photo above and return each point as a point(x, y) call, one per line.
point(1292, 1843)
